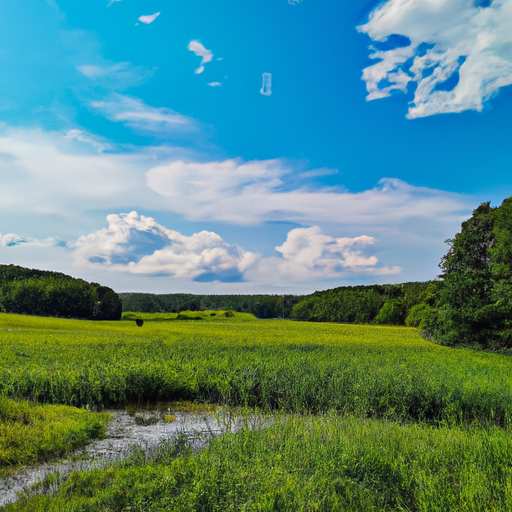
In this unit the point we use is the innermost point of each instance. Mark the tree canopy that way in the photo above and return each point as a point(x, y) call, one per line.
point(474, 303)
point(45, 293)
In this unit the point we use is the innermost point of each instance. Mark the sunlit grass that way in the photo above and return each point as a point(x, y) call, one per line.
point(376, 371)
point(31, 433)
point(304, 463)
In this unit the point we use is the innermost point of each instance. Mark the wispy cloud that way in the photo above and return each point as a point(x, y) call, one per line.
point(457, 52)
point(253, 192)
point(116, 76)
point(147, 19)
point(137, 244)
point(200, 51)
point(13, 240)
point(294, 2)
point(96, 142)
point(112, 2)
point(63, 181)
point(134, 113)
point(214, 84)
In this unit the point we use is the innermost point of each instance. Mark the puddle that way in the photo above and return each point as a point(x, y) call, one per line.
point(146, 429)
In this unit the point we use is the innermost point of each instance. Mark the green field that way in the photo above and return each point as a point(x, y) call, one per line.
point(368, 417)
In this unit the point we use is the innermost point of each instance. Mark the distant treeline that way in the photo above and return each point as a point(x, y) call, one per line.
point(45, 293)
point(393, 304)
point(382, 304)
point(261, 306)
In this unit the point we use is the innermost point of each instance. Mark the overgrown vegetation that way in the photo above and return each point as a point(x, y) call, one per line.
point(31, 433)
point(39, 292)
point(299, 463)
point(371, 371)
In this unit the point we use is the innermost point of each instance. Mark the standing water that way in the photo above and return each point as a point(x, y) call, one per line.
point(144, 429)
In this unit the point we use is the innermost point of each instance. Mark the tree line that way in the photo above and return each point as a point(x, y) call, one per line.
point(46, 293)
point(261, 306)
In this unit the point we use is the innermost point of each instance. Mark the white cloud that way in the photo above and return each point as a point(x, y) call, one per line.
point(134, 113)
point(266, 86)
point(98, 143)
point(137, 244)
point(200, 51)
point(112, 1)
point(214, 84)
point(253, 192)
point(294, 2)
point(12, 240)
point(149, 18)
point(447, 37)
point(309, 254)
point(62, 185)
point(116, 76)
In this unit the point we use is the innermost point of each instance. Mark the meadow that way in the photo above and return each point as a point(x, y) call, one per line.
point(365, 417)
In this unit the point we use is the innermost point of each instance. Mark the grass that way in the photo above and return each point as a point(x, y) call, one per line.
point(31, 433)
point(304, 463)
point(369, 371)
point(365, 418)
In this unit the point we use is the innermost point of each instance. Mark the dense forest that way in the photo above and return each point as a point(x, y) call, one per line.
point(261, 306)
point(381, 304)
point(45, 293)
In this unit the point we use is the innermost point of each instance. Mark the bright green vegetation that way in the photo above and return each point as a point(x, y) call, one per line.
point(399, 423)
point(327, 463)
point(371, 371)
point(32, 433)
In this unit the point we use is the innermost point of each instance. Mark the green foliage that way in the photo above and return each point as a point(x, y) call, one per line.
point(261, 306)
point(32, 433)
point(36, 292)
point(475, 302)
point(419, 316)
point(326, 463)
point(380, 304)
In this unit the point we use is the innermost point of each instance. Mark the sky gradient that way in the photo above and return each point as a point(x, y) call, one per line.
point(279, 146)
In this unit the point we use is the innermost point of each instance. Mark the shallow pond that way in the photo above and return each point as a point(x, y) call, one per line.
point(143, 428)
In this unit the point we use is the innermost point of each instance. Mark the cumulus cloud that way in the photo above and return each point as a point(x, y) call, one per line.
point(137, 244)
point(458, 53)
point(200, 51)
point(253, 192)
point(308, 254)
point(147, 19)
point(134, 113)
point(61, 185)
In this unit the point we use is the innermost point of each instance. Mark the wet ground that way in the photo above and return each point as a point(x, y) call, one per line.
point(146, 429)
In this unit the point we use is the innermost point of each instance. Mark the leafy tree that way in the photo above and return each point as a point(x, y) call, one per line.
point(474, 305)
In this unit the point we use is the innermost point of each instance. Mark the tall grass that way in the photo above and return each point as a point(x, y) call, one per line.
point(32, 433)
point(370, 371)
point(326, 463)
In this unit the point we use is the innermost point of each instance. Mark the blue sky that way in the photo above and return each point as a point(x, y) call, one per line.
point(137, 148)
